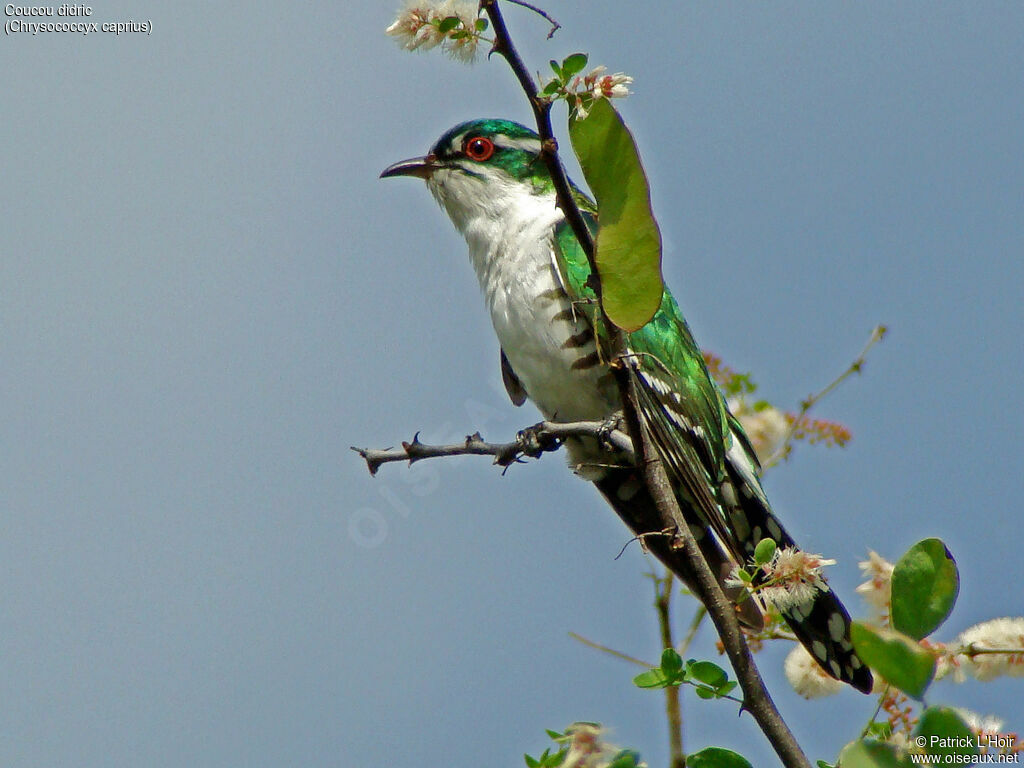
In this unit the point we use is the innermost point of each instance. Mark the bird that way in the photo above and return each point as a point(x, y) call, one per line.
point(490, 178)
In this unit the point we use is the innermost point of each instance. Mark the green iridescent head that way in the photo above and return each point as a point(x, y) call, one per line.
point(482, 148)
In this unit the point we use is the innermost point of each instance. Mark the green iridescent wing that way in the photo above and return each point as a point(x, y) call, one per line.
point(679, 402)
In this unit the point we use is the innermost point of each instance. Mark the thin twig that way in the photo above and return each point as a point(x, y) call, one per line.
point(877, 334)
point(673, 709)
point(555, 26)
point(611, 651)
point(531, 442)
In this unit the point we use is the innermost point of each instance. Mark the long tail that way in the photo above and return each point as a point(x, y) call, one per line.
point(822, 625)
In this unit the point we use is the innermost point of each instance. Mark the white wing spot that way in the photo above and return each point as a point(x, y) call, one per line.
point(834, 666)
point(819, 650)
point(774, 530)
point(855, 662)
point(836, 627)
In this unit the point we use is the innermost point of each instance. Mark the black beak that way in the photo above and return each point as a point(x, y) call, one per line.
point(423, 167)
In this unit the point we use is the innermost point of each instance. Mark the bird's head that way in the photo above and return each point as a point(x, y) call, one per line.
point(480, 168)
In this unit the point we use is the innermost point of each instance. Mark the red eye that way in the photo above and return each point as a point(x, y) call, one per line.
point(479, 148)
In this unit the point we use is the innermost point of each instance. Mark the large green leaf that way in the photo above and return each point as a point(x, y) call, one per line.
point(871, 754)
point(716, 757)
point(896, 657)
point(941, 731)
point(925, 584)
point(628, 241)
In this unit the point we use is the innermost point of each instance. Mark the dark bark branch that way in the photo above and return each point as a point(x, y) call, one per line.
point(531, 442)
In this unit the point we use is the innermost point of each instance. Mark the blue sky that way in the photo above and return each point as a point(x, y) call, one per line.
point(207, 296)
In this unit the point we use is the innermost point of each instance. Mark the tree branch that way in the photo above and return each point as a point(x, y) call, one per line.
point(673, 709)
point(531, 442)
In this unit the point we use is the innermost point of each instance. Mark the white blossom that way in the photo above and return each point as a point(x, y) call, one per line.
point(980, 724)
point(587, 747)
point(417, 27)
point(1005, 634)
point(793, 577)
point(876, 591)
point(807, 677)
point(766, 428)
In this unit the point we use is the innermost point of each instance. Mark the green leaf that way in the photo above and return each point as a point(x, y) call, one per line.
point(551, 88)
point(652, 678)
point(871, 754)
point(880, 729)
point(671, 663)
point(531, 762)
point(823, 764)
point(707, 672)
point(716, 757)
point(481, 24)
point(705, 693)
point(554, 735)
point(925, 583)
point(556, 69)
point(447, 24)
point(725, 690)
point(896, 657)
point(628, 241)
point(573, 64)
point(946, 733)
point(764, 551)
point(627, 758)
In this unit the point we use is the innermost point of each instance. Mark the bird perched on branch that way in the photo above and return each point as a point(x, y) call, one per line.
point(490, 179)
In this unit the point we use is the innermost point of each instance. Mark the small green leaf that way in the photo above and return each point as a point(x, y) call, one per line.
point(551, 88)
point(871, 754)
point(743, 575)
point(823, 764)
point(652, 678)
point(573, 64)
point(764, 551)
point(481, 24)
point(556, 69)
point(628, 243)
point(447, 24)
point(880, 729)
point(725, 690)
point(531, 762)
point(946, 734)
point(554, 735)
point(671, 662)
point(704, 692)
point(716, 757)
point(627, 758)
point(707, 672)
point(896, 657)
point(925, 583)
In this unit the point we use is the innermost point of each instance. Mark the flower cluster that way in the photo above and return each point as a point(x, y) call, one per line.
point(452, 24)
point(581, 91)
point(992, 648)
point(792, 577)
point(587, 747)
point(766, 426)
point(877, 590)
point(807, 677)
